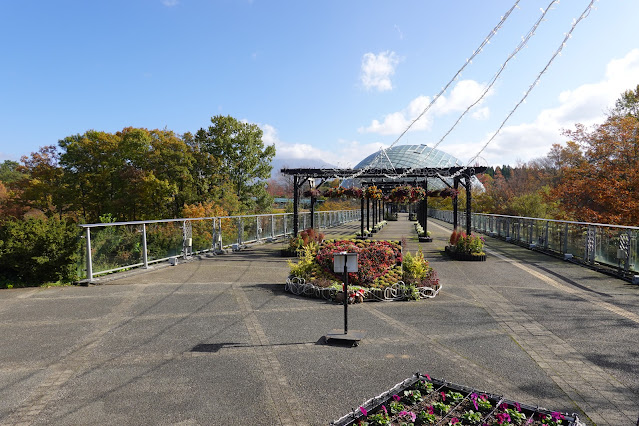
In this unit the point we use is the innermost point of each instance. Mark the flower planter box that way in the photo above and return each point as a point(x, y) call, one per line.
point(412, 216)
point(425, 239)
point(420, 394)
point(288, 253)
point(464, 256)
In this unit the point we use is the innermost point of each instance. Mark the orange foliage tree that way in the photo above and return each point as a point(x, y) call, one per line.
point(599, 180)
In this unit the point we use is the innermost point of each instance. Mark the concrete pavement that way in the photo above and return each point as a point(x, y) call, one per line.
point(218, 341)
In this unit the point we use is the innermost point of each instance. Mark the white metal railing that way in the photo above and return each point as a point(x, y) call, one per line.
point(112, 247)
point(611, 245)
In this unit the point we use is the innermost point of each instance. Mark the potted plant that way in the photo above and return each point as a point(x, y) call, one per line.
point(466, 247)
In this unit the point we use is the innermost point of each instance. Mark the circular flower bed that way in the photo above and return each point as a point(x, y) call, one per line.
point(384, 273)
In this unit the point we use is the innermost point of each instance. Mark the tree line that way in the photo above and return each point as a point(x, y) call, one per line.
point(137, 174)
point(133, 174)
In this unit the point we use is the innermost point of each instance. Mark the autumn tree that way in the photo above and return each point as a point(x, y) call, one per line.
point(600, 182)
point(41, 186)
point(243, 158)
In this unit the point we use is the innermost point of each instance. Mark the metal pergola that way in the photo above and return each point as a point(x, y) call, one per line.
point(386, 179)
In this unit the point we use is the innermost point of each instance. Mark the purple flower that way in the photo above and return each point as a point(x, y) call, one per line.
point(517, 406)
point(454, 421)
point(556, 416)
point(396, 397)
point(363, 410)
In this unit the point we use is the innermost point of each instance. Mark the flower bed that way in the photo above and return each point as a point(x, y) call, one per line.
point(422, 400)
point(384, 272)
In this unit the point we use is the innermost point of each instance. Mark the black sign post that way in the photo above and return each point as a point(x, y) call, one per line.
point(345, 263)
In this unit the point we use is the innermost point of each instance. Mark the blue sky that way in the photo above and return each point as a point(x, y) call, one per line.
point(332, 79)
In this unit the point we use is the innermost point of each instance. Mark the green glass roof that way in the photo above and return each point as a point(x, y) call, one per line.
point(409, 156)
point(415, 156)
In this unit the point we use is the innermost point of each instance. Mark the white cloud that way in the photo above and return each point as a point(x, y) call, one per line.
point(586, 104)
point(463, 94)
point(481, 114)
point(348, 153)
point(378, 69)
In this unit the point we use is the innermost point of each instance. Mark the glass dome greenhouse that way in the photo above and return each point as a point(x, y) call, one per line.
point(415, 156)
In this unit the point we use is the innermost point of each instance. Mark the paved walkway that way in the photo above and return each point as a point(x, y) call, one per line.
point(217, 341)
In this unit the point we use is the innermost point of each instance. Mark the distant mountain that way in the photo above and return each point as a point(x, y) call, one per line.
point(298, 163)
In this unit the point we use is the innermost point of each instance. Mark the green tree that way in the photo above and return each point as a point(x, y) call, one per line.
point(243, 158)
point(627, 105)
point(132, 174)
point(9, 172)
point(37, 251)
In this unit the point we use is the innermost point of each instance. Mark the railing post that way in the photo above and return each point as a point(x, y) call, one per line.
point(89, 261)
point(221, 239)
point(145, 257)
point(546, 236)
point(257, 228)
point(530, 232)
point(566, 239)
point(240, 230)
point(629, 250)
point(272, 226)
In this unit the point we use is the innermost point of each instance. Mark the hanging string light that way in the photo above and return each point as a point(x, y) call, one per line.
point(518, 48)
point(568, 35)
point(478, 50)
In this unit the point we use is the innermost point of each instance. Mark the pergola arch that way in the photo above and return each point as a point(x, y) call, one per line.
point(388, 179)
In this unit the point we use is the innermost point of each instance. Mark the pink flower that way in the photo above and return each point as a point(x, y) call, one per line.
point(408, 414)
point(517, 406)
point(473, 397)
point(454, 421)
point(556, 416)
point(396, 397)
point(443, 396)
point(503, 418)
point(363, 410)
point(384, 410)
point(428, 377)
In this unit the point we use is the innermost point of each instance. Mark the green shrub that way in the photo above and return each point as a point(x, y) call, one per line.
point(37, 251)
